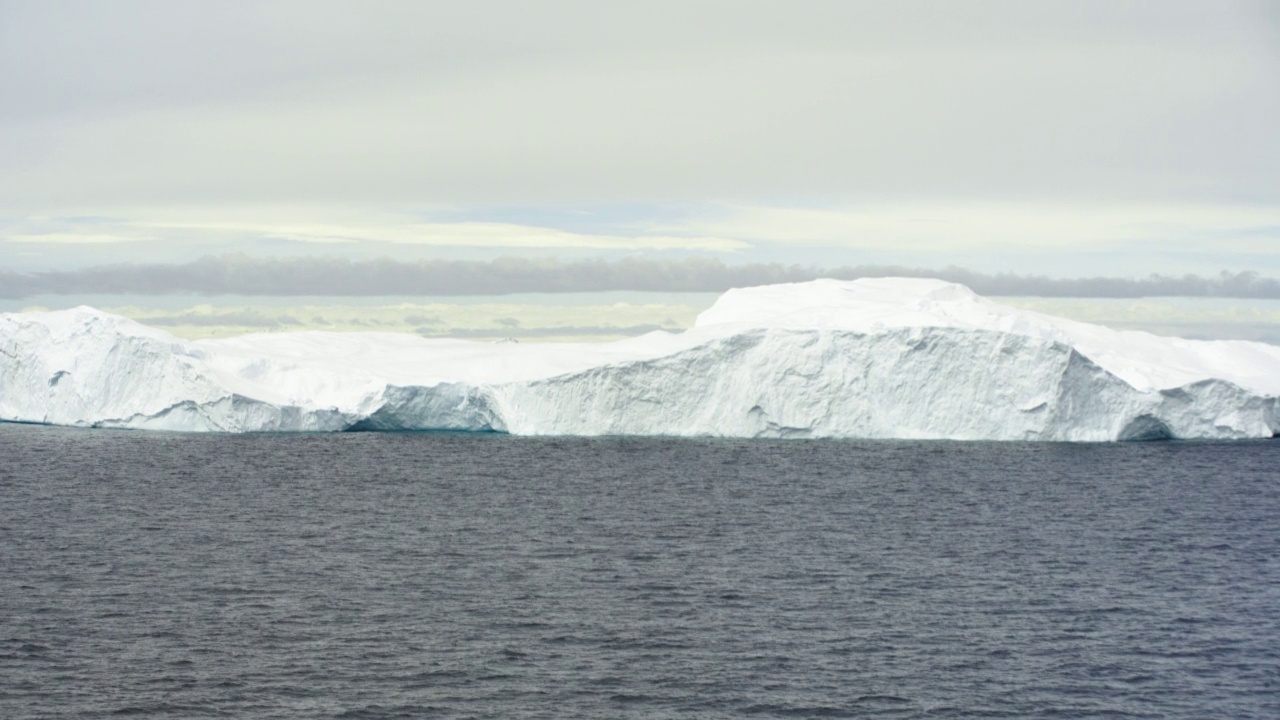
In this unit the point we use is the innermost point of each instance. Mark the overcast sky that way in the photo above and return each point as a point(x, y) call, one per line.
point(1056, 138)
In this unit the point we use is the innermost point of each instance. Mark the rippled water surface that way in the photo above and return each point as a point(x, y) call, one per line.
point(420, 575)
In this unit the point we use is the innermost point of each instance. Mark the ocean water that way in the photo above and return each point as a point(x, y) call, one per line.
point(371, 575)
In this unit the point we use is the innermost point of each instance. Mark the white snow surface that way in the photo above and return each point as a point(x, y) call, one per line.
point(871, 358)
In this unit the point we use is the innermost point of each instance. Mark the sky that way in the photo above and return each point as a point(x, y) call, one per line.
point(1055, 139)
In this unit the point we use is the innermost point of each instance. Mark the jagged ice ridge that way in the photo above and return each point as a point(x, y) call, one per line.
point(872, 358)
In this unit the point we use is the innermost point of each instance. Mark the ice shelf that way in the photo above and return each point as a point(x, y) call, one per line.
point(872, 358)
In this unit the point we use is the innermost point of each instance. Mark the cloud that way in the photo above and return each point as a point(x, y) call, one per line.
point(423, 319)
point(74, 238)
point(237, 318)
point(469, 234)
point(1045, 226)
point(1059, 136)
point(244, 275)
point(1071, 238)
point(347, 227)
point(426, 103)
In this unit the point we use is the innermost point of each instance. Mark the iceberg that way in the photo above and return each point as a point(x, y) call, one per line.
point(870, 358)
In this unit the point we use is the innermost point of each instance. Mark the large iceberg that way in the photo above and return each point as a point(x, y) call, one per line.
point(872, 358)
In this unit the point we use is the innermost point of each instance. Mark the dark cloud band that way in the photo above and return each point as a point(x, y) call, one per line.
point(244, 275)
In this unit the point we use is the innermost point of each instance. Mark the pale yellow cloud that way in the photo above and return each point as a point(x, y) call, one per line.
point(89, 237)
point(985, 226)
point(344, 227)
point(467, 234)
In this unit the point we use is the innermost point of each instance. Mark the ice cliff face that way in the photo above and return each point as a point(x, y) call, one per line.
point(886, 358)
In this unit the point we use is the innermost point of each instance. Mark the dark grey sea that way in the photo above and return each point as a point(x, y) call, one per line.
point(370, 575)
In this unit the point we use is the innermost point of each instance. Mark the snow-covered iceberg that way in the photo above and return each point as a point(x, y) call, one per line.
point(873, 358)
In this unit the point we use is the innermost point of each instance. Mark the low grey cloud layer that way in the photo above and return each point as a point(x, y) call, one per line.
point(317, 276)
